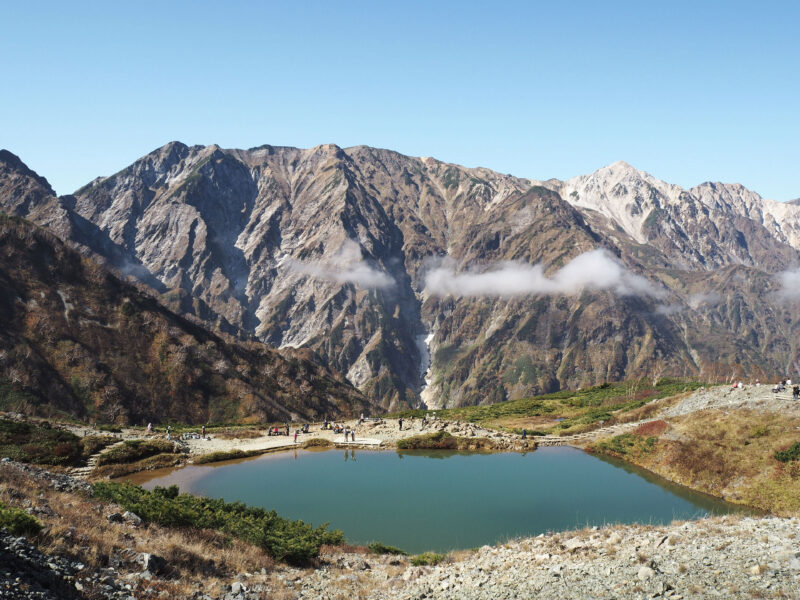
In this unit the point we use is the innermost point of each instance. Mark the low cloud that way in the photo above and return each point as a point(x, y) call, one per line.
point(596, 270)
point(790, 285)
point(668, 309)
point(346, 266)
point(710, 299)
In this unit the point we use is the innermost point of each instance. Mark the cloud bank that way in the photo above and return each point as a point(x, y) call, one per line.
point(596, 270)
point(346, 266)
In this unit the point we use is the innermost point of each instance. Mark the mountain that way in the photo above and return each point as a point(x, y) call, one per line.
point(426, 281)
point(77, 341)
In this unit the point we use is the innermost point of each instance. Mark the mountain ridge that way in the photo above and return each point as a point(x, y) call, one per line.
point(332, 249)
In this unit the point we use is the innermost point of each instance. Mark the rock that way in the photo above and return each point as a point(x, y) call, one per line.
point(573, 544)
point(152, 563)
point(237, 588)
point(645, 573)
point(132, 518)
point(114, 518)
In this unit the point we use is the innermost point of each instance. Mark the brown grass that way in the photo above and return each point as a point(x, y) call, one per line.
point(651, 428)
point(159, 461)
point(79, 528)
point(728, 454)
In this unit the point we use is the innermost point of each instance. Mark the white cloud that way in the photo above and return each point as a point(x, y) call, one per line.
point(346, 266)
point(668, 309)
point(790, 284)
point(596, 269)
point(710, 299)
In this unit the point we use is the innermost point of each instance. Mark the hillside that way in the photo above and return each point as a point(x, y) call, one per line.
point(77, 341)
point(427, 282)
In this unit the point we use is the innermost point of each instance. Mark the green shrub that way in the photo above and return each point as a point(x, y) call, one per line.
point(18, 522)
point(292, 541)
point(380, 548)
point(427, 558)
point(791, 453)
point(135, 450)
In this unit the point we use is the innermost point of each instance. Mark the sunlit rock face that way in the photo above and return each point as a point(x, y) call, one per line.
point(381, 263)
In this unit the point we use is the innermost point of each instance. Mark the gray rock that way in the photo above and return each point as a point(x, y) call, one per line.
point(645, 573)
point(132, 518)
point(152, 563)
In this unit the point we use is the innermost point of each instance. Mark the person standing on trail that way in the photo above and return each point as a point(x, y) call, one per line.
point(295, 436)
point(400, 422)
point(287, 428)
point(203, 431)
point(353, 434)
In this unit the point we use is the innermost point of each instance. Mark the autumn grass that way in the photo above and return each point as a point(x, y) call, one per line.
point(39, 443)
point(569, 412)
point(198, 559)
point(135, 450)
point(731, 454)
point(159, 461)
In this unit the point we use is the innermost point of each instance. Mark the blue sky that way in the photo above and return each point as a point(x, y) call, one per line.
point(688, 91)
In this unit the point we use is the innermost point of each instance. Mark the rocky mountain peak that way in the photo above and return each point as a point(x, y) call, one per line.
point(12, 165)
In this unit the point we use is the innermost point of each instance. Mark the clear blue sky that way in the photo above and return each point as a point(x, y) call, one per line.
point(688, 91)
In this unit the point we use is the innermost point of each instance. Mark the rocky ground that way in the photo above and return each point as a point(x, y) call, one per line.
point(750, 397)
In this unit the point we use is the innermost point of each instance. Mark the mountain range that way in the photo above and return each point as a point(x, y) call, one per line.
point(427, 282)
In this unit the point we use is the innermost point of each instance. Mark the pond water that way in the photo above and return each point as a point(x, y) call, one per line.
point(443, 500)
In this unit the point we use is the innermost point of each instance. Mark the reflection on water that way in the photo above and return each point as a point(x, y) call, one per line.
point(460, 500)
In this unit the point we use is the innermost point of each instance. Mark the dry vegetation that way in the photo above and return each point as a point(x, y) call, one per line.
point(724, 453)
point(76, 526)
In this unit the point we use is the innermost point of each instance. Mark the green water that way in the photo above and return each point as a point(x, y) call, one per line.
point(442, 500)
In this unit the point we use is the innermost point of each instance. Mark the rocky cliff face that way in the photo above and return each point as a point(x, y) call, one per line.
point(76, 340)
point(421, 280)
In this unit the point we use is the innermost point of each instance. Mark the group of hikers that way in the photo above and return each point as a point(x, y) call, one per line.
point(781, 386)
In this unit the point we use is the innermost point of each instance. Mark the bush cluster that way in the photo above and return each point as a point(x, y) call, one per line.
point(440, 440)
point(18, 522)
point(427, 558)
point(292, 541)
point(381, 548)
point(791, 453)
point(39, 444)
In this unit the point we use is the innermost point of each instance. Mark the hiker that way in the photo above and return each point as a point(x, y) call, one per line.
point(287, 428)
point(295, 436)
point(325, 424)
point(203, 431)
point(400, 421)
point(796, 392)
point(149, 428)
point(353, 434)
point(524, 434)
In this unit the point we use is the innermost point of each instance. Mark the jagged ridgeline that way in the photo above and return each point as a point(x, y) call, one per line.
point(425, 281)
point(77, 341)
